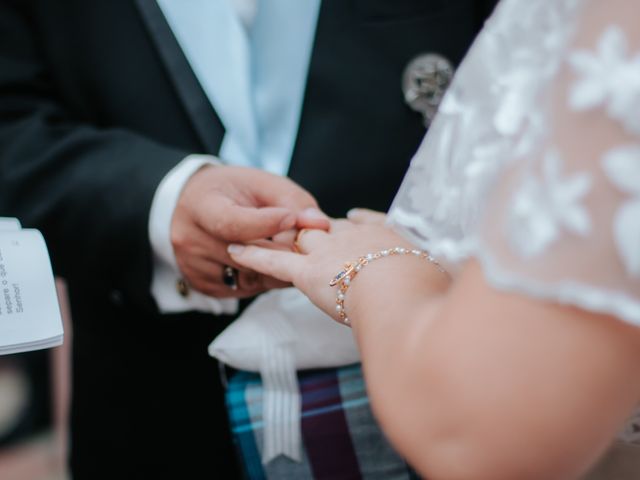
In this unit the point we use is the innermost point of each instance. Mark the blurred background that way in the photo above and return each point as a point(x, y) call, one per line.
point(34, 394)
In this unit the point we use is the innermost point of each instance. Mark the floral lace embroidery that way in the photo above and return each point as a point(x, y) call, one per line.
point(541, 208)
point(622, 167)
point(609, 77)
point(497, 115)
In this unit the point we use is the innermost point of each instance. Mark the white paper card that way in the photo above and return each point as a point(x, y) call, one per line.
point(29, 311)
point(9, 223)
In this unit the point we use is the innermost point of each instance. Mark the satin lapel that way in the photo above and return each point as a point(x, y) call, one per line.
point(205, 120)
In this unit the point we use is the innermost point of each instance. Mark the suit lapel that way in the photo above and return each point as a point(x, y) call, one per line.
point(205, 121)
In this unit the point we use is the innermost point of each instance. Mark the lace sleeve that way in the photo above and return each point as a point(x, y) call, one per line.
point(564, 222)
point(555, 214)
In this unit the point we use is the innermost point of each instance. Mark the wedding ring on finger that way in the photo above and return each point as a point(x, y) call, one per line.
point(230, 277)
point(296, 240)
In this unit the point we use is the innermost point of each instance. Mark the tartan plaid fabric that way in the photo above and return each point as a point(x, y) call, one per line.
point(341, 439)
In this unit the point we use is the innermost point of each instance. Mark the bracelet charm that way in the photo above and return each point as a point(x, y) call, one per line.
point(344, 277)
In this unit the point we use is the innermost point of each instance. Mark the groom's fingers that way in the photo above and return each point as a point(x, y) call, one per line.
point(313, 218)
point(307, 240)
point(366, 216)
point(285, 239)
point(235, 223)
point(283, 265)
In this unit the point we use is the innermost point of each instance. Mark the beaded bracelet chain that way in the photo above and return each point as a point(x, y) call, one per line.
point(344, 278)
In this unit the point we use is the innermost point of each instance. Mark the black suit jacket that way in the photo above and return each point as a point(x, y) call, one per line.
point(97, 104)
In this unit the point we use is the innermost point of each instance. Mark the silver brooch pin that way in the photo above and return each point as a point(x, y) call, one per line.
point(424, 82)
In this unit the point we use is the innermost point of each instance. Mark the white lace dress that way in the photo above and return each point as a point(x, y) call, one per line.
point(532, 164)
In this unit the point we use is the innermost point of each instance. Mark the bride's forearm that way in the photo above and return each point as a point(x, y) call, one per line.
point(396, 324)
point(392, 309)
point(393, 305)
point(468, 382)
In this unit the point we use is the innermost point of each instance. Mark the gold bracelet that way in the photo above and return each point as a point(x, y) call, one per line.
point(345, 276)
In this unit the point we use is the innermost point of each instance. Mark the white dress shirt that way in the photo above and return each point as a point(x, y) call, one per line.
point(251, 58)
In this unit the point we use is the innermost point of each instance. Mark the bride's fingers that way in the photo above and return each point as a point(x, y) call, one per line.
point(283, 265)
point(289, 238)
point(340, 225)
point(285, 238)
point(273, 244)
point(313, 218)
point(364, 215)
point(307, 240)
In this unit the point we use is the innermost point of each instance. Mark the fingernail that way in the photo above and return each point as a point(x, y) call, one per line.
point(235, 249)
point(353, 212)
point(314, 214)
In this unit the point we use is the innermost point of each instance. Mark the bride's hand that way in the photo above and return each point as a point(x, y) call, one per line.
point(364, 215)
point(321, 255)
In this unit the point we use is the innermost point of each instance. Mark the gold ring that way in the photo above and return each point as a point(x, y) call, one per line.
point(296, 241)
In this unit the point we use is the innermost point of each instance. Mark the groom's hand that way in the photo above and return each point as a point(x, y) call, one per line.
point(221, 205)
point(312, 219)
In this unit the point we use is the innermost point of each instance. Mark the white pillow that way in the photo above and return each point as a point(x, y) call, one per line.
point(279, 333)
point(285, 318)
